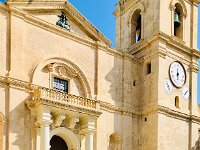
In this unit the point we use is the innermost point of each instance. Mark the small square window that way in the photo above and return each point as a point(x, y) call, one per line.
point(134, 83)
point(148, 68)
point(60, 85)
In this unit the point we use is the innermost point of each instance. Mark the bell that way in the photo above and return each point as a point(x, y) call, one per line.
point(138, 35)
point(176, 20)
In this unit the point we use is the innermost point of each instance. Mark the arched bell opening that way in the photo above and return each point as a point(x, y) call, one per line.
point(57, 143)
point(178, 21)
point(136, 27)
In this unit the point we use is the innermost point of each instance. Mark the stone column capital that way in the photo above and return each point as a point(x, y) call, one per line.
point(72, 120)
point(43, 116)
point(88, 126)
point(58, 119)
point(43, 123)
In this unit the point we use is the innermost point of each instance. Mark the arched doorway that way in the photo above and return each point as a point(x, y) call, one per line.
point(57, 143)
point(66, 135)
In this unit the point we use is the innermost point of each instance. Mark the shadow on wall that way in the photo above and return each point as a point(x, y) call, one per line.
point(1, 130)
point(197, 145)
point(119, 93)
point(20, 120)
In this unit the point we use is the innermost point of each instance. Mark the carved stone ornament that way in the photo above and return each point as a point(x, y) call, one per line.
point(62, 22)
point(64, 71)
point(71, 121)
point(58, 119)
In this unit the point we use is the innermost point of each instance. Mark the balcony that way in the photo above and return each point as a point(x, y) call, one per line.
point(61, 100)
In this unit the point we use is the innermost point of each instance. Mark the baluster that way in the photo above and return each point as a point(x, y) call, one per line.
point(46, 93)
point(67, 98)
point(41, 92)
point(70, 99)
point(94, 104)
point(79, 101)
point(52, 94)
point(62, 97)
point(76, 100)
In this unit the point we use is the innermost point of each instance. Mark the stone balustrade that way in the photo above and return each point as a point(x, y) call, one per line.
point(54, 96)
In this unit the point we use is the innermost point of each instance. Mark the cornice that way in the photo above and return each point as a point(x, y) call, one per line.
point(4, 8)
point(51, 104)
point(195, 2)
point(170, 41)
point(170, 113)
point(118, 109)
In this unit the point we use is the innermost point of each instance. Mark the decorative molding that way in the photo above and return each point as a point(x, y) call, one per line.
point(170, 41)
point(4, 8)
point(71, 68)
point(194, 67)
point(27, 86)
point(118, 109)
point(103, 105)
point(182, 3)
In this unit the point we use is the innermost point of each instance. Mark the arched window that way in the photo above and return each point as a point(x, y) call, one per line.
point(136, 26)
point(178, 21)
point(113, 142)
point(177, 102)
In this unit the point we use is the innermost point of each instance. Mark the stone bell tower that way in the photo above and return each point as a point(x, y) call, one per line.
point(162, 37)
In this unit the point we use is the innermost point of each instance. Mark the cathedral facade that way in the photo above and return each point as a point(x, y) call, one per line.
point(62, 86)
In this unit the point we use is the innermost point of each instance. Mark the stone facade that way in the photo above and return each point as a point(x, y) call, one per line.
point(115, 99)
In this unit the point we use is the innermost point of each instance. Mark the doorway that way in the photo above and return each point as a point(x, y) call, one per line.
point(57, 143)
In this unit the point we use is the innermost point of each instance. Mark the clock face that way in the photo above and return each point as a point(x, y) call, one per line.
point(177, 74)
point(168, 86)
point(186, 93)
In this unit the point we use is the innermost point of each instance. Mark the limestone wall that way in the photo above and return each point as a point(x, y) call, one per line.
point(172, 136)
point(108, 73)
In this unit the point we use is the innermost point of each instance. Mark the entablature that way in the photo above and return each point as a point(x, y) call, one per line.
point(174, 42)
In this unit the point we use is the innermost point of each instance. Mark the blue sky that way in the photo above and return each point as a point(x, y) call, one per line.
point(101, 16)
point(99, 13)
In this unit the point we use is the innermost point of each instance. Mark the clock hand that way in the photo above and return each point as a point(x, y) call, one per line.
point(168, 87)
point(186, 92)
point(177, 74)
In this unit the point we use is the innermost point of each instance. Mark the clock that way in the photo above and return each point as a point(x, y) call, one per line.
point(177, 74)
point(168, 86)
point(186, 93)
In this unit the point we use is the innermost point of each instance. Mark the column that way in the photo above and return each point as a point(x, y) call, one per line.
point(43, 122)
point(87, 131)
point(45, 135)
point(89, 140)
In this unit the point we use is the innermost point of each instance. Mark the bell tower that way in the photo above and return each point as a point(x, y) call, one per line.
point(161, 35)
